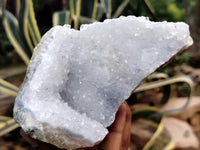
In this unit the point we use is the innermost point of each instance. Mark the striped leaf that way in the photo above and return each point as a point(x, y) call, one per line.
point(89, 8)
point(82, 12)
point(23, 24)
point(149, 8)
point(169, 81)
point(8, 88)
point(137, 6)
point(157, 75)
point(94, 11)
point(23, 33)
point(2, 5)
point(78, 8)
point(120, 8)
point(12, 71)
point(17, 7)
point(61, 18)
point(166, 90)
point(11, 27)
point(182, 79)
point(7, 124)
point(160, 139)
point(99, 11)
point(108, 7)
point(75, 7)
point(32, 25)
point(78, 21)
point(72, 7)
point(148, 113)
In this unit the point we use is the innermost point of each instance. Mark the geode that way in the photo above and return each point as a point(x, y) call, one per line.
point(76, 80)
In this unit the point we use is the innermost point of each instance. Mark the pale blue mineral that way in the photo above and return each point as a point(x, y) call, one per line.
point(76, 80)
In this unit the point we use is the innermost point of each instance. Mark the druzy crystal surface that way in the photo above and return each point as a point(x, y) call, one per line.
point(77, 80)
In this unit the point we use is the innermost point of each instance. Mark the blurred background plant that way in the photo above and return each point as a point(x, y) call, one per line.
point(24, 21)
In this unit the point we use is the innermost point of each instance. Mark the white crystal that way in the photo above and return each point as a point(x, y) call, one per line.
point(77, 80)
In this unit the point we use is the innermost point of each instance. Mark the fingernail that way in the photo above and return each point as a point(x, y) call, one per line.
point(124, 105)
point(123, 108)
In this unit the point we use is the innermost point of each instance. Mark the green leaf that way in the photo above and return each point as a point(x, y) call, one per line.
point(164, 82)
point(23, 24)
point(8, 88)
point(135, 4)
point(7, 124)
point(78, 7)
point(14, 70)
point(160, 140)
point(61, 18)
point(78, 21)
point(165, 89)
point(11, 27)
point(148, 113)
point(3, 5)
point(32, 25)
point(94, 12)
point(89, 8)
point(157, 75)
point(150, 9)
point(121, 8)
point(169, 81)
point(108, 7)
point(72, 7)
point(99, 11)
point(75, 7)
point(18, 2)
point(182, 79)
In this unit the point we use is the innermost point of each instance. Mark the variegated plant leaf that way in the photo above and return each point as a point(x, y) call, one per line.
point(7, 124)
point(89, 8)
point(11, 27)
point(32, 25)
point(108, 7)
point(61, 18)
point(120, 8)
point(160, 139)
point(169, 81)
point(23, 24)
point(8, 88)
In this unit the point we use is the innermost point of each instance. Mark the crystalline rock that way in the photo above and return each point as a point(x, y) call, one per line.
point(77, 80)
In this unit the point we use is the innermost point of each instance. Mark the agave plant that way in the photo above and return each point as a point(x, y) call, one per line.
point(24, 34)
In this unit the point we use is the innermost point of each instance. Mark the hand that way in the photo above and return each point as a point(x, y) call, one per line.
point(118, 137)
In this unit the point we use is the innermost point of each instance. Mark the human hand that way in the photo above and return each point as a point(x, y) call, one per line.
point(118, 137)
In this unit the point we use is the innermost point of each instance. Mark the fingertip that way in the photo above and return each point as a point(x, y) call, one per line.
point(120, 118)
point(122, 108)
point(127, 129)
point(128, 111)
